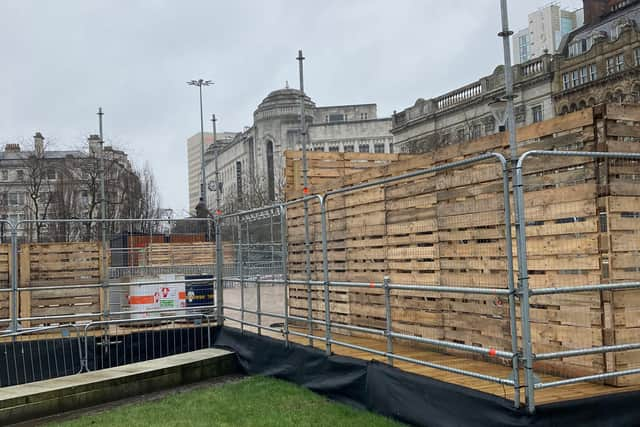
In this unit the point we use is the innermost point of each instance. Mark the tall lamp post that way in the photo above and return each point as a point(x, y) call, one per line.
point(218, 186)
point(305, 191)
point(529, 377)
point(203, 191)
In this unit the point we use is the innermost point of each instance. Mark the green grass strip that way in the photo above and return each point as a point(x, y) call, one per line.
point(255, 401)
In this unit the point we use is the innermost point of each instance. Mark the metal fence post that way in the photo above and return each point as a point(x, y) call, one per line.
point(258, 305)
point(307, 255)
point(285, 270)
point(523, 287)
point(106, 294)
point(14, 278)
point(515, 373)
point(387, 314)
point(325, 272)
point(241, 273)
point(219, 273)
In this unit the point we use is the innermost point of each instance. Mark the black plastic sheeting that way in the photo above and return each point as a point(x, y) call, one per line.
point(411, 398)
point(28, 361)
point(122, 349)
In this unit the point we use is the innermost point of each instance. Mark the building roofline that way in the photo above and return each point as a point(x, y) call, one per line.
point(379, 119)
point(347, 105)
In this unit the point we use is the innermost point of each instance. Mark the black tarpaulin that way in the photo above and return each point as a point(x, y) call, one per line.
point(412, 398)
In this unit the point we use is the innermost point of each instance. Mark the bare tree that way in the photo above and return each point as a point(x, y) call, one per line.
point(253, 194)
point(38, 175)
point(470, 128)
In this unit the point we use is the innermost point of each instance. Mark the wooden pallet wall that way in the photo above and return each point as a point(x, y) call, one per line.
point(324, 168)
point(448, 228)
point(59, 264)
point(180, 253)
point(196, 253)
point(5, 269)
point(620, 240)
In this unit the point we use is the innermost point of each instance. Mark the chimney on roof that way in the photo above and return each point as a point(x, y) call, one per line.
point(12, 148)
point(38, 144)
point(594, 10)
point(94, 144)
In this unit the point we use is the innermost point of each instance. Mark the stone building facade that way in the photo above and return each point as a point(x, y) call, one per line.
point(194, 161)
point(465, 113)
point(598, 62)
point(38, 183)
point(251, 165)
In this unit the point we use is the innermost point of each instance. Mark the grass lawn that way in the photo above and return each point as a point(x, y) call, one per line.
point(255, 401)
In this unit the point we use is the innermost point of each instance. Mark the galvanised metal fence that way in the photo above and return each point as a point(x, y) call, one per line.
point(521, 353)
point(526, 293)
point(315, 210)
point(254, 288)
point(81, 295)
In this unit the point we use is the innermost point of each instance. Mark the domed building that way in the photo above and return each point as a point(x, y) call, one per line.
point(276, 125)
point(251, 165)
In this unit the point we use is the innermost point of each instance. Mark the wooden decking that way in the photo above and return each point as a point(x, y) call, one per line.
point(554, 394)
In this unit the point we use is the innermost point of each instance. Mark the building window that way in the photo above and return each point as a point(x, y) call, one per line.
point(620, 62)
point(364, 116)
point(523, 45)
point(271, 179)
point(489, 127)
point(337, 117)
point(348, 149)
point(20, 175)
point(51, 174)
point(611, 65)
point(378, 148)
point(476, 131)
point(615, 64)
point(636, 54)
point(5, 175)
point(566, 26)
point(584, 75)
point(580, 46)
point(566, 83)
point(575, 78)
point(239, 180)
point(461, 134)
point(16, 199)
point(334, 149)
point(363, 148)
point(593, 71)
point(536, 113)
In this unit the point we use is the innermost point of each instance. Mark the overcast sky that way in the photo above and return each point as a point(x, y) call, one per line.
point(62, 59)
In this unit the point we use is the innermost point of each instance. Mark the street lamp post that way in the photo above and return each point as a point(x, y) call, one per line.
point(215, 147)
point(522, 275)
point(305, 191)
point(203, 192)
point(508, 79)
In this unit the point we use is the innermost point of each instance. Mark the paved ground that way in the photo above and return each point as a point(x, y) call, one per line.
point(271, 300)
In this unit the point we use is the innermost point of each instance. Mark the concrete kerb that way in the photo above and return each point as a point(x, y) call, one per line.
point(58, 395)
